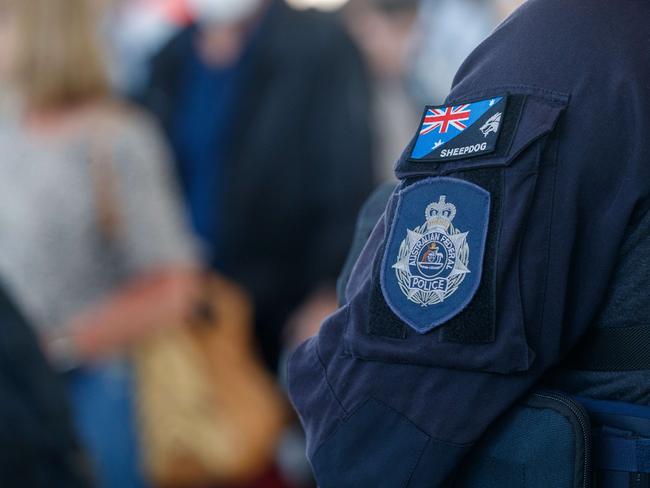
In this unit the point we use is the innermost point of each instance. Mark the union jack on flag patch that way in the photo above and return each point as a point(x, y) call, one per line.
point(441, 119)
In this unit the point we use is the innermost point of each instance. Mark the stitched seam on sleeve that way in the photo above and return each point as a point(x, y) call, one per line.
point(325, 375)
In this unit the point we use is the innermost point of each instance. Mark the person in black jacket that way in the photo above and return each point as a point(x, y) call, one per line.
point(38, 447)
point(267, 109)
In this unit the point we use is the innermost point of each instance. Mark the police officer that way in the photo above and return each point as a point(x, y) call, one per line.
point(533, 182)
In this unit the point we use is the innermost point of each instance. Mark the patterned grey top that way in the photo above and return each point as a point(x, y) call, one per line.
point(55, 258)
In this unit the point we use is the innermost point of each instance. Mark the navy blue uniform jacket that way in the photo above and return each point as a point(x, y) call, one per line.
point(386, 406)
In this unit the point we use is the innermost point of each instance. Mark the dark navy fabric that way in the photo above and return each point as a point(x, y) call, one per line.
point(618, 409)
point(530, 448)
point(372, 421)
point(625, 306)
point(572, 182)
point(368, 217)
point(620, 442)
point(620, 451)
point(434, 254)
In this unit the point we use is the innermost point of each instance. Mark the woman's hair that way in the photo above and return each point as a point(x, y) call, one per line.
point(59, 61)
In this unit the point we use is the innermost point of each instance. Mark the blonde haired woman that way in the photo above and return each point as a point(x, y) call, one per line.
point(92, 240)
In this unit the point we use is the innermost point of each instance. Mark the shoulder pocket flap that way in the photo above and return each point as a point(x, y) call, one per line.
point(528, 119)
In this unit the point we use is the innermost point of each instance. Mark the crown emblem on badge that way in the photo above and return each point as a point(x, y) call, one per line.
point(433, 258)
point(440, 213)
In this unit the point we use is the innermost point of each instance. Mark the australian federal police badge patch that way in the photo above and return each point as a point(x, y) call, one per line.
point(451, 132)
point(434, 254)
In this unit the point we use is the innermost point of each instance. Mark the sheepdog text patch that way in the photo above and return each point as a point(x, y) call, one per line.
point(433, 258)
point(449, 132)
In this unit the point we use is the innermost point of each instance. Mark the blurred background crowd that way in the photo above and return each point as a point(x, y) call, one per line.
point(168, 163)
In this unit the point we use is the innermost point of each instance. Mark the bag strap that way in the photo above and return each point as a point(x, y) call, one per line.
point(621, 452)
point(101, 165)
point(614, 349)
point(108, 215)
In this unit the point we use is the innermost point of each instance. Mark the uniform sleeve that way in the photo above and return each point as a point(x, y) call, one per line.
point(424, 357)
point(153, 231)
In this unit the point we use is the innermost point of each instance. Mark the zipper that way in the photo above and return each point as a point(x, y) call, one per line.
point(583, 419)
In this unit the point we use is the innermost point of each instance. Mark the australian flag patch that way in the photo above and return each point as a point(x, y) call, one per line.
point(450, 132)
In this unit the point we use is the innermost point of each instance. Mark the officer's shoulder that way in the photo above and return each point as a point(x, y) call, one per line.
point(554, 43)
point(594, 24)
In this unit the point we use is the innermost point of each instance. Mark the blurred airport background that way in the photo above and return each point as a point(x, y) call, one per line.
point(179, 183)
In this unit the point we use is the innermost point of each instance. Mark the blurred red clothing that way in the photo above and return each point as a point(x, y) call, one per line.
point(175, 10)
point(271, 479)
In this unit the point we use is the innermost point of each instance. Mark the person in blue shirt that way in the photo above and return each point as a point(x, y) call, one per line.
point(268, 111)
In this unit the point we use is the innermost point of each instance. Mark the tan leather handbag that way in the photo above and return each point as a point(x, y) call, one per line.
point(208, 411)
